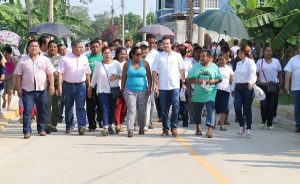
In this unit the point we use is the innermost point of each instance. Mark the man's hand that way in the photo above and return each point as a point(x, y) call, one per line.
point(199, 81)
point(287, 89)
point(51, 90)
point(232, 93)
point(156, 91)
point(20, 93)
point(250, 85)
point(148, 93)
point(210, 82)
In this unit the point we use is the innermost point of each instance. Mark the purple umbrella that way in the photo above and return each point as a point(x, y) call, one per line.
point(157, 29)
point(9, 38)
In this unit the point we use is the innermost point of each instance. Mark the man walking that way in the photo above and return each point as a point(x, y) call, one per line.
point(91, 103)
point(73, 76)
point(31, 75)
point(53, 102)
point(292, 70)
point(171, 68)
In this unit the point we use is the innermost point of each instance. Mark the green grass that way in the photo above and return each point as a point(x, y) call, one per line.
point(284, 99)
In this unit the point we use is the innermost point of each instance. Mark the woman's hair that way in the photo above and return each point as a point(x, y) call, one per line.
point(182, 50)
point(133, 50)
point(196, 49)
point(224, 55)
point(105, 48)
point(118, 51)
point(246, 49)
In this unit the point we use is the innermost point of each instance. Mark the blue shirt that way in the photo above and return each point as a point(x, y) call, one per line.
point(2, 72)
point(136, 79)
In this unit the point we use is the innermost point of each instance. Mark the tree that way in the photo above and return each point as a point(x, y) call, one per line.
point(275, 22)
point(189, 20)
point(151, 18)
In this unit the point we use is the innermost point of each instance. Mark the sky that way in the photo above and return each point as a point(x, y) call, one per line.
point(134, 6)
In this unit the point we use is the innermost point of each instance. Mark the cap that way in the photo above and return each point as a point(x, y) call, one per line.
point(144, 43)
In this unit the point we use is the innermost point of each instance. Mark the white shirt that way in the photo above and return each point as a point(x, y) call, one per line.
point(168, 66)
point(226, 72)
point(234, 49)
point(150, 57)
point(73, 68)
point(268, 71)
point(101, 78)
point(245, 72)
point(293, 67)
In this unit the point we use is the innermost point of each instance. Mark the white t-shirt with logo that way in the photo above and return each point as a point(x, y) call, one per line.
point(293, 67)
point(226, 72)
point(269, 69)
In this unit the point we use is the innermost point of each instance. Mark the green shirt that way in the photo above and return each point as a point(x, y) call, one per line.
point(93, 60)
point(210, 72)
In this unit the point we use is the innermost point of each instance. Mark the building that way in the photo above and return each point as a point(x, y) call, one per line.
point(173, 13)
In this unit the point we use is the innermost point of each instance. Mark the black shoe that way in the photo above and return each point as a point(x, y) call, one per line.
point(48, 129)
point(68, 131)
point(27, 135)
point(297, 130)
point(141, 132)
point(192, 122)
point(91, 130)
point(53, 129)
point(81, 130)
point(185, 125)
point(151, 127)
point(100, 125)
point(227, 123)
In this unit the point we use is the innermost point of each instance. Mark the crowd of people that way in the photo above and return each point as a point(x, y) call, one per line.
point(112, 85)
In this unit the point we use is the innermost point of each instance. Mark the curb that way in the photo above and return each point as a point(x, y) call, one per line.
point(9, 116)
point(280, 110)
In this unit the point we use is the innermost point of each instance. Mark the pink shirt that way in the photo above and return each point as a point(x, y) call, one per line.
point(9, 66)
point(73, 68)
point(34, 73)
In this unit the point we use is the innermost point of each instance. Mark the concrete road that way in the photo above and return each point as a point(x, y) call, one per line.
point(270, 156)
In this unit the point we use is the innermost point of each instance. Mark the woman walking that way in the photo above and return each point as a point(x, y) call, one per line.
point(120, 111)
point(224, 88)
point(136, 88)
point(244, 78)
point(106, 76)
point(269, 79)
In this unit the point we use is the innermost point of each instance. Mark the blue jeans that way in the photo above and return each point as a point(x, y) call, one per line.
point(152, 101)
point(61, 107)
point(296, 96)
point(243, 103)
point(30, 98)
point(210, 107)
point(108, 108)
point(74, 92)
point(165, 97)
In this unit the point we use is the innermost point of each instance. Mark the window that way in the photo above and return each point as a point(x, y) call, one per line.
point(159, 4)
point(211, 4)
point(197, 3)
point(169, 3)
point(261, 2)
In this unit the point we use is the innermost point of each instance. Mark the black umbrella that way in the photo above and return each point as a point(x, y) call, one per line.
point(51, 28)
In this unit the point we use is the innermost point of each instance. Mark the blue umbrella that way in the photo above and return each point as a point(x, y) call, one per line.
point(222, 22)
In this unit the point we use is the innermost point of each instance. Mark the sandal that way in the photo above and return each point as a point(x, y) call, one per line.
point(198, 132)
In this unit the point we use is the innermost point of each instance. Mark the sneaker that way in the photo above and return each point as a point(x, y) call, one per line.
point(81, 130)
point(241, 131)
point(262, 125)
point(130, 134)
point(270, 127)
point(68, 131)
point(104, 132)
point(27, 135)
point(141, 132)
point(248, 134)
point(111, 130)
point(145, 128)
point(223, 128)
point(118, 129)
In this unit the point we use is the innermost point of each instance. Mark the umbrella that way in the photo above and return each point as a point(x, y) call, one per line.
point(9, 38)
point(51, 28)
point(157, 29)
point(223, 22)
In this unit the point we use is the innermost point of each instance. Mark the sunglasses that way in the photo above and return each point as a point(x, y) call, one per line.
point(138, 54)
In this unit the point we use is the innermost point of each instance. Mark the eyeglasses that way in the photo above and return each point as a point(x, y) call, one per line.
point(138, 54)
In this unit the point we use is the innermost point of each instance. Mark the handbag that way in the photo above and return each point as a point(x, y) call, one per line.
point(259, 93)
point(271, 86)
point(115, 91)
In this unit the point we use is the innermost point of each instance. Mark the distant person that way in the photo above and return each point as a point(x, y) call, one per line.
point(62, 49)
point(292, 70)
point(234, 48)
point(170, 67)
point(43, 43)
point(269, 79)
point(31, 73)
point(128, 45)
point(2, 78)
point(73, 77)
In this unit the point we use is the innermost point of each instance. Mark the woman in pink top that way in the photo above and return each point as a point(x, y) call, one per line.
point(10, 66)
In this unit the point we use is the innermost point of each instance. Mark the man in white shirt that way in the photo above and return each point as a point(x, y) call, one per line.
point(171, 69)
point(292, 70)
point(235, 48)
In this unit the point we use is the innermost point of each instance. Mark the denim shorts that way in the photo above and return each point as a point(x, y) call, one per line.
point(221, 104)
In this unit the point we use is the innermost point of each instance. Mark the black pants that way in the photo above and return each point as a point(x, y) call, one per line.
point(184, 112)
point(92, 107)
point(158, 108)
point(268, 107)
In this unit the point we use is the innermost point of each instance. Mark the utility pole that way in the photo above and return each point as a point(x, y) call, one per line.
point(28, 11)
point(50, 18)
point(189, 21)
point(123, 22)
point(201, 30)
point(144, 18)
point(112, 12)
